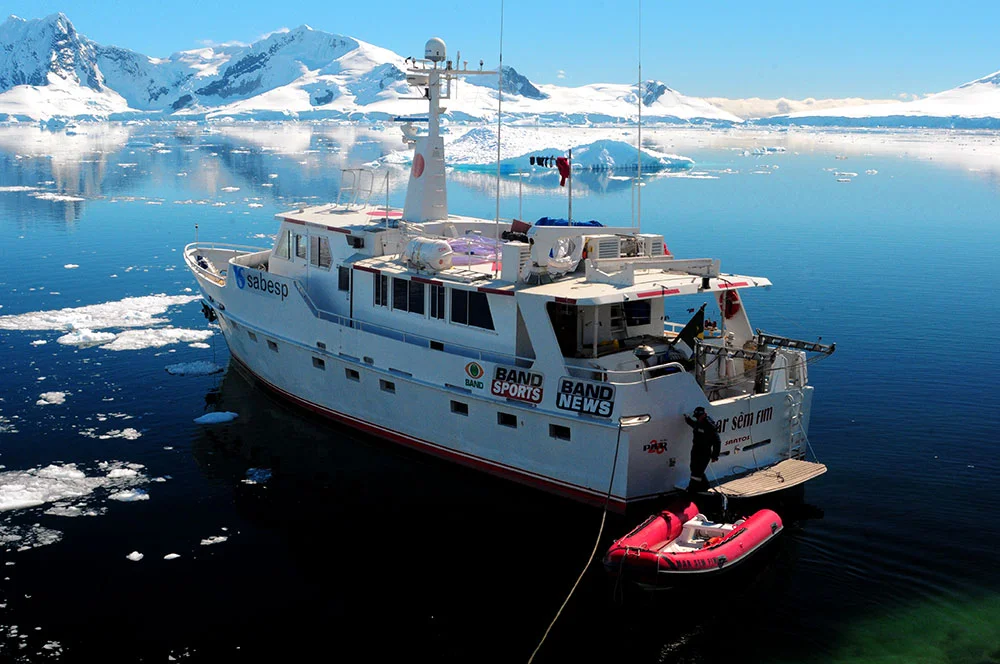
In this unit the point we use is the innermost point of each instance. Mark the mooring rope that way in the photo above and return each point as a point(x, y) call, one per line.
point(590, 558)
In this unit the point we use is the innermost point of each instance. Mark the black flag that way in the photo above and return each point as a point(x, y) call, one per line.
point(695, 329)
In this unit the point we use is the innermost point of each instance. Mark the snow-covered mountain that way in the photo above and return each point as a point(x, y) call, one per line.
point(972, 105)
point(48, 70)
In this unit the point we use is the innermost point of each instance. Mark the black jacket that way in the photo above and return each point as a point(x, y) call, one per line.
point(705, 436)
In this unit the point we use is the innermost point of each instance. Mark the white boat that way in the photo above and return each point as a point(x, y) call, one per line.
point(552, 355)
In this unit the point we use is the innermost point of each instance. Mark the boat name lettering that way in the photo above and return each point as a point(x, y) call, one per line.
point(256, 281)
point(582, 396)
point(745, 420)
point(741, 439)
point(518, 384)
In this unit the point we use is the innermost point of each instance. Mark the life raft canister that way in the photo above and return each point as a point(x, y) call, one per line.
point(729, 303)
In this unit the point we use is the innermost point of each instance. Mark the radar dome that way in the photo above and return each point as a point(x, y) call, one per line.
point(435, 49)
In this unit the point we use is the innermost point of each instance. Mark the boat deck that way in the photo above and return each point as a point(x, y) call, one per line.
point(783, 475)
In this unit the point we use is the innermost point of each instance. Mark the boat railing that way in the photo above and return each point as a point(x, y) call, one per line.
point(209, 270)
point(414, 339)
point(627, 376)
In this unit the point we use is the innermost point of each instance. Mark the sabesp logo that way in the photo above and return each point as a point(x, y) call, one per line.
point(241, 279)
point(258, 282)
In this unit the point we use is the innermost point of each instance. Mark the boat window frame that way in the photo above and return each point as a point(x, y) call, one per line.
point(317, 256)
point(469, 296)
point(380, 290)
point(283, 246)
point(302, 246)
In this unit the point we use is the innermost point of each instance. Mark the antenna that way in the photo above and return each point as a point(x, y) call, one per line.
point(638, 183)
point(496, 225)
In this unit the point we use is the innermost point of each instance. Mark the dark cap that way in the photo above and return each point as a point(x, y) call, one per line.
point(699, 410)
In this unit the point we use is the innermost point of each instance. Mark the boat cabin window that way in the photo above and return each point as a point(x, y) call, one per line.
point(381, 290)
point(283, 249)
point(471, 308)
point(408, 295)
point(343, 278)
point(595, 331)
point(638, 312)
point(437, 301)
point(300, 246)
point(319, 252)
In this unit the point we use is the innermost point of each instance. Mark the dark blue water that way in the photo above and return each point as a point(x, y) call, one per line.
point(353, 545)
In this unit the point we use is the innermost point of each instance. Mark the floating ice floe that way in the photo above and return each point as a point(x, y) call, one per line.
point(51, 398)
point(198, 368)
point(135, 556)
point(39, 342)
point(171, 556)
point(230, 189)
point(128, 434)
point(23, 538)
point(71, 266)
point(129, 495)
point(57, 198)
point(155, 338)
point(14, 188)
point(199, 345)
point(126, 313)
point(7, 425)
point(86, 337)
point(216, 539)
point(216, 417)
point(257, 475)
point(20, 489)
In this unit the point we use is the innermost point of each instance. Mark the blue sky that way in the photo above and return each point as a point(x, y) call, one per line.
point(873, 49)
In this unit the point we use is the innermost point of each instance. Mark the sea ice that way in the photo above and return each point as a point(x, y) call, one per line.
point(257, 475)
point(58, 198)
point(20, 489)
point(135, 556)
point(71, 266)
point(216, 539)
point(51, 399)
point(128, 312)
point(230, 189)
point(198, 368)
point(216, 418)
point(171, 556)
point(155, 338)
point(129, 495)
point(39, 342)
point(86, 337)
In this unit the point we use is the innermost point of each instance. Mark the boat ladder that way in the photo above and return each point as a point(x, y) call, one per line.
point(354, 190)
point(797, 433)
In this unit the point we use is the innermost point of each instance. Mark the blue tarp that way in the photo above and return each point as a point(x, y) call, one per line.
point(551, 221)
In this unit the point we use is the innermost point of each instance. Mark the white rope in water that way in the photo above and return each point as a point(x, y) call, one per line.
point(590, 558)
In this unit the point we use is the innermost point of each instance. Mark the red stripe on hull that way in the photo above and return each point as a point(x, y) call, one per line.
point(538, 481)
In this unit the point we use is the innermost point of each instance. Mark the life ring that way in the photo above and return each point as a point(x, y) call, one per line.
point(729, 303)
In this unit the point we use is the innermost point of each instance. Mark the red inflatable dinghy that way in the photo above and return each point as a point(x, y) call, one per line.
point(680, 541)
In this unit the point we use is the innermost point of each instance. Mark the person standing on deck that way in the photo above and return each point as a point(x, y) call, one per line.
point(705, 447)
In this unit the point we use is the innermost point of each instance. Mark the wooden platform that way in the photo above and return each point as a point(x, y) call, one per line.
point(788, 473)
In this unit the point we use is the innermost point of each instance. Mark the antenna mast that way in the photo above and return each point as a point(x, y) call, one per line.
point(638, 183)
point(496, 225)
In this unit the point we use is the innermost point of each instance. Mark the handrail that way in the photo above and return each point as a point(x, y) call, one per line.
point(216, 245)
point(411, 338)
point(621, 377)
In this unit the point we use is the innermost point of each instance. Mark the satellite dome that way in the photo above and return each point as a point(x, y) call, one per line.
point(435, 49)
